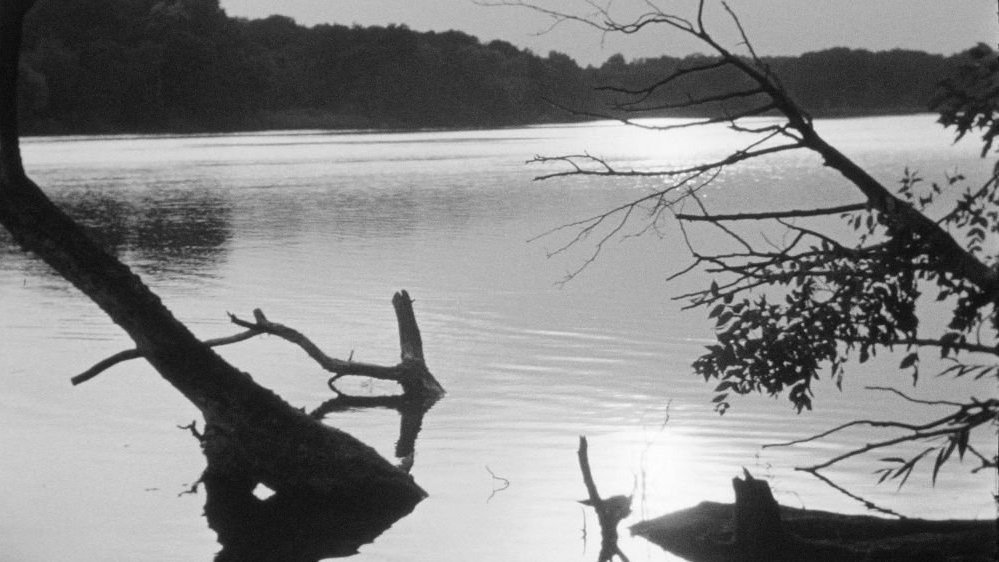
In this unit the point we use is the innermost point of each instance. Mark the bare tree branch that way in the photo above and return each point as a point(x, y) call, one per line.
point(941, 342)
point(801, 213)
point(867, 503)
point(915, 400)
point(955, 258)
point(605, 169)
point(647, 91)
point(129, 354)
point(338, 367)
point(862, 295)
point(634, 107)
point(411, 373)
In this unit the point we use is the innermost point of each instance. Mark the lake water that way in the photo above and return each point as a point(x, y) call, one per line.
point(319, 229)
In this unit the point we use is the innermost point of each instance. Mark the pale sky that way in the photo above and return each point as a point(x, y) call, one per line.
point(776, 27)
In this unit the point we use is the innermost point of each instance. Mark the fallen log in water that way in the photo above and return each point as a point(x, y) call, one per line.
point(746, 531)
point(252, 436)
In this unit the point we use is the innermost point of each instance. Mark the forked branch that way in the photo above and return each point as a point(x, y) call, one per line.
point(797, 124)
point(411, 373)
point(947, 434)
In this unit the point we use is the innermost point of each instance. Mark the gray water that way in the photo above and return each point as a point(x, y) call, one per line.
point(319, 229)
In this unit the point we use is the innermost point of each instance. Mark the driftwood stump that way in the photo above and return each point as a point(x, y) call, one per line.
point(756, 528)
point(759, 534)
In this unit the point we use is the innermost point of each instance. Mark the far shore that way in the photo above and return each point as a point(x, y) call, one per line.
point(314, 120)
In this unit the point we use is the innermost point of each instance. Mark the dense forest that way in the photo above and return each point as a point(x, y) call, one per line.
point(183, 65)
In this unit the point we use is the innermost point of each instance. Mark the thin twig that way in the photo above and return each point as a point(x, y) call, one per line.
point(915, 400)
point(867, 503)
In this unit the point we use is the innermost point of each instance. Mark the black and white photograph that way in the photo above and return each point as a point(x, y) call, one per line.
point(499, 280)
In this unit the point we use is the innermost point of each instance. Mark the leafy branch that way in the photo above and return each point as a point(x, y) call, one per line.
point(786, 311)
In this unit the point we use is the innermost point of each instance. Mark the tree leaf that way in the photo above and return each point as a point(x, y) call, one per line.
point(909, 360)
point(962, 443)
point(942, 458)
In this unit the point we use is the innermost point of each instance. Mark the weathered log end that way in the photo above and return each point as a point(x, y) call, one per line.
point(417, 381)
point(758, 530)
point(410, 342)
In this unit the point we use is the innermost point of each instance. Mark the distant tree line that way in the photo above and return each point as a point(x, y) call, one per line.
point(184, 65)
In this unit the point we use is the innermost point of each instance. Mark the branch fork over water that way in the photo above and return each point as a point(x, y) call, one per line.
point(411, 373)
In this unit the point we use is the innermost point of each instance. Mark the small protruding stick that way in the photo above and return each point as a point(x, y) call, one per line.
point(584, 467)
point(418, 381)
point(610, 512)
point(410, 342)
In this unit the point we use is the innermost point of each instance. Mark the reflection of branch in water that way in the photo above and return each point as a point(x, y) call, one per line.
point(505, 484)
point(287, 528)
point(411, 412)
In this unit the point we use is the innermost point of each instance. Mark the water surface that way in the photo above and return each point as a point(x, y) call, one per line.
point(319, 229)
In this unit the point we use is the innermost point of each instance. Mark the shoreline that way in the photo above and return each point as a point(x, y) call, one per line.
point(362, 126)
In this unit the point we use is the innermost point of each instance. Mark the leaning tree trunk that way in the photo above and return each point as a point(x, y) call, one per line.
point(251, 434)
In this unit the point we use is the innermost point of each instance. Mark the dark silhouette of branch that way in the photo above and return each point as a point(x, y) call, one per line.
point(730, 118)
point(862, 294)
point(411, 373)
point(774, 214)
point(337, 366)
point(955, 427)
point(601, 18)
point(588, 226)
point(915, 400)
point(955, 259)
point(633, 106)
point(647, 91)
point(610, 511)
point(129, 354)
point(867, 503)
point(605, 168)
point(942, 342)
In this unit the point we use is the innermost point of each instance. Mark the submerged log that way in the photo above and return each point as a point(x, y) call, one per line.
point(717, 532)
point(252, 435)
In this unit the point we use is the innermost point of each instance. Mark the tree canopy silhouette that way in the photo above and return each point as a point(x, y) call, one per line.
point(183, 65)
